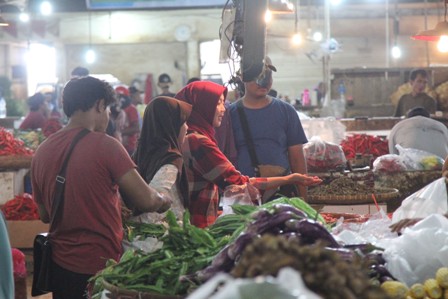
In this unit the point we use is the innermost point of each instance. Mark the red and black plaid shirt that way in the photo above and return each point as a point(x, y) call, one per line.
point(207, 170)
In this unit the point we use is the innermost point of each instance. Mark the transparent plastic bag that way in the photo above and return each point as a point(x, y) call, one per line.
point(239, 194)
point(389, 163)
point(322, 156)
point(416, 159)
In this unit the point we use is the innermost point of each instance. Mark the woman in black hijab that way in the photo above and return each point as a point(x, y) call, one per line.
point(158, 155)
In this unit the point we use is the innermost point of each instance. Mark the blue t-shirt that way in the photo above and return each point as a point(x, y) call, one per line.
point(274, 128)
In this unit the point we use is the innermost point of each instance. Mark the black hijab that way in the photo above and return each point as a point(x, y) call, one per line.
point(158, 144)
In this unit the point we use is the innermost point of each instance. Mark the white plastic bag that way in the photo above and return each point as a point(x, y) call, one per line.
point(329, 129)
point(416, 159)
point(417, 254)
point(431, 199)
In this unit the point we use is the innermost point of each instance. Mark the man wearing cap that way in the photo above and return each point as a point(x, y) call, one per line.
point(274, 126)
point(164, 84)
point(131, 128)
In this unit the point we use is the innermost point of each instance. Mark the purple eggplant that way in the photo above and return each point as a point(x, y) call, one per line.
point(312, 231)
point(236, 248)
point(346, 254)
point(280, 208)
point(261, 214)
point(262, 225)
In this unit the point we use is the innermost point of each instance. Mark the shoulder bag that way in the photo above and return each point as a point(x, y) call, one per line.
point(43, 263)
point(264, 170)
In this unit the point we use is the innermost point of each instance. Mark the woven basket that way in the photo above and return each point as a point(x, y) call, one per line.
point(380, 194)
point(15, 162)
point(119, 293)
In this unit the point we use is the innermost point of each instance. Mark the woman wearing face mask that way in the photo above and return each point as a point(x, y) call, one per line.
point(158, 154)
point(208, 169)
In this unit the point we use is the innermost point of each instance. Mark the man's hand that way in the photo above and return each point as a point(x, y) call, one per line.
point(400, 225)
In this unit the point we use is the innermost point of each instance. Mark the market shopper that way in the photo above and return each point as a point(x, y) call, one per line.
point(164, 83)
point(418, 80)
point(6, 263)
point(90, 231)
point(208, 169)
point(39, 112)
point(274, 126)
point(158, 155)
point(131, 129)
point(419, 131)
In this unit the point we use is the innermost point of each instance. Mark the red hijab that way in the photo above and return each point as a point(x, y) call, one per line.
point(204, 97)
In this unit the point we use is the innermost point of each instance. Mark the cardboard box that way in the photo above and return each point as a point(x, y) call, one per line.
point(22, 232)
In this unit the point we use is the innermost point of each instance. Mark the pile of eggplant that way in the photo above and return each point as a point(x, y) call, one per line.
point(292, 224)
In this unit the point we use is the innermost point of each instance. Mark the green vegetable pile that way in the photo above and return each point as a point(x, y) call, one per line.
point(186, 250)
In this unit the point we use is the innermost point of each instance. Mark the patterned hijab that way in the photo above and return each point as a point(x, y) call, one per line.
point(158, 143)
point(204, 97)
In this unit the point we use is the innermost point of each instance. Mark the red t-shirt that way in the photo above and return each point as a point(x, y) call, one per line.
point(132, 117)
point(91, 229)
point(34, 120)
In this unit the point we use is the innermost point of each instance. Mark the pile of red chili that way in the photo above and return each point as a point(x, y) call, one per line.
point(10, 146)
point(22, 207)
point(364, 144)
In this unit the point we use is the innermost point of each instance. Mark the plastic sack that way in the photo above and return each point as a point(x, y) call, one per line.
point(389, 163)
point(329, 129)
point(19, 267)
point(322, 156)
point(239, 194)
point(287, 285)
point(422, 249)
point(429, 200)
point(416, 159)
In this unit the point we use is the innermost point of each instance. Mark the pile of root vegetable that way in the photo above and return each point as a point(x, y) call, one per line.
point(253, 241)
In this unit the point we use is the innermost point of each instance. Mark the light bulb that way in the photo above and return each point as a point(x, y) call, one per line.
point(46, 8)
point(317, 36)
point(297, 39)
point(335, 2)
point(90, 56)
point(442, 45)
point(396, 52)
point(24, 17)
point(268, 16)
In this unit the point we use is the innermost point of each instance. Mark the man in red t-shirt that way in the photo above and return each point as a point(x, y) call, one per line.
point(90, 230)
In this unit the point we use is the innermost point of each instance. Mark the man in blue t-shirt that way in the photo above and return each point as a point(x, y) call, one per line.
point(275, 127)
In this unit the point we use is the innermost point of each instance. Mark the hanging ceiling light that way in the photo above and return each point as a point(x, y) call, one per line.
point(3, 22)
point(435, 34)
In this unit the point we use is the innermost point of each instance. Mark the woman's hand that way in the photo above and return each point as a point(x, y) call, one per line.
point(400, 225)
point(166, 202)
point(303, 179)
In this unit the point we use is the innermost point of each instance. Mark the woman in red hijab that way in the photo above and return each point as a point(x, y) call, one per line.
point(208, 169)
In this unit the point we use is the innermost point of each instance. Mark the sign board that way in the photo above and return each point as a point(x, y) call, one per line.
point(154, 4)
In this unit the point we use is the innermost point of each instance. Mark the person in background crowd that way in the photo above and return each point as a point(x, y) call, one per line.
point(131, 129)
point(275, 127)
point(90, 231)
point(137, 101)
point(164, 83)
point(158, 155)
point(6, 267)
point(419, 131)
point(193, 79)
point(38, 115)
point(418, 79)
point(208, 169)
point(79, 71)
point(117, 121)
